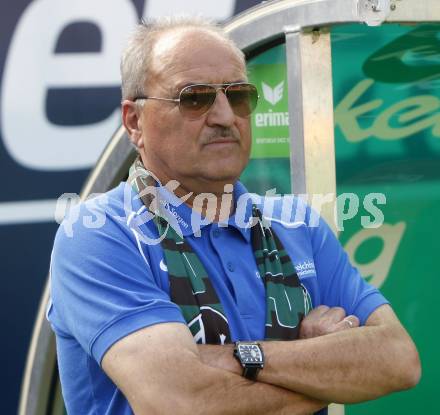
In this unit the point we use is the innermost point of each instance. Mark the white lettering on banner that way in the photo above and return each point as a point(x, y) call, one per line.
point(272, 119)
point(32, 67)
point(34, 211)
point(378, 269)
point(219, 10)
point(272, 140)
point(414, 114)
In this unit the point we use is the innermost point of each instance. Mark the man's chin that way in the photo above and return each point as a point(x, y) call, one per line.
point(221, 177)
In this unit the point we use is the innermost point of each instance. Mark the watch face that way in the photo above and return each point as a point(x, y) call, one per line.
point(250, 353)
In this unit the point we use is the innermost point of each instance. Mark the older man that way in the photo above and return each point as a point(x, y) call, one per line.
point(147, 307)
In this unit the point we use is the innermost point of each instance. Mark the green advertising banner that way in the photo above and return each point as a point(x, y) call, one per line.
point(386, 86)
point(270, 121)
point(269, 166)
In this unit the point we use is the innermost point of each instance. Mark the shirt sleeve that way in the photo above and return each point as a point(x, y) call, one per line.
point(102, 288)
point(340, 283)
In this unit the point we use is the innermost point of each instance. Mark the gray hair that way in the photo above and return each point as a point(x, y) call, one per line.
point(136, 57)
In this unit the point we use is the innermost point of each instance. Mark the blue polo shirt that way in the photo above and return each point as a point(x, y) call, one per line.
point(109, 278)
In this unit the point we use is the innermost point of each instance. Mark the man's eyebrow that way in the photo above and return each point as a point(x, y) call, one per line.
point(182, 85)
point(240, 81)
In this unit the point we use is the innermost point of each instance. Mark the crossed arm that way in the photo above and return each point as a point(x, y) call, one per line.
point(160, 369)
point(344, 365)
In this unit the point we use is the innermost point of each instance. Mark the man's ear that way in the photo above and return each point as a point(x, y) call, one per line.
point(131, 120)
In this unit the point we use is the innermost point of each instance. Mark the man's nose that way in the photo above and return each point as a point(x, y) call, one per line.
point(221, 112)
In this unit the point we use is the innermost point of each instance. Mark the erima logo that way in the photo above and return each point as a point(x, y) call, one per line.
point(305, 268)
point(272, 119)
point(273, 95)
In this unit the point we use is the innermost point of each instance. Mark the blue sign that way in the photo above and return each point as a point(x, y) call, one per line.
point(59, 105)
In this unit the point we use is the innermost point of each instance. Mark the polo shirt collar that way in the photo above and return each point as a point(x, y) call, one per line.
point(187, 222)
point(242, 216)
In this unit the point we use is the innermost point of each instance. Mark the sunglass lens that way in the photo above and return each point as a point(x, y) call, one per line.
point(243, 98)
point(195, 100)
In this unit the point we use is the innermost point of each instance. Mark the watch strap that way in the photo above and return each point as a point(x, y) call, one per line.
point(251, 372)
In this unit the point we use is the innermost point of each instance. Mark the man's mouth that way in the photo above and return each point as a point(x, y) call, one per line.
point(223, 140)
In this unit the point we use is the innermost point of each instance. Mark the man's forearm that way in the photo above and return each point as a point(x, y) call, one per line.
point(205, 389)
point(348, 366)
point(161, 371)
point(232, 394)
point(263, 396)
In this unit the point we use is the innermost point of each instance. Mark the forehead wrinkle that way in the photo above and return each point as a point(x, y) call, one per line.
point(183, 45)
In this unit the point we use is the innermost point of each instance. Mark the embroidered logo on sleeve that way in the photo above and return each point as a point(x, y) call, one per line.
point(305, 268)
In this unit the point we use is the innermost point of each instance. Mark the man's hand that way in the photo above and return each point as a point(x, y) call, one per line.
point(325, 320)
point(345, 366)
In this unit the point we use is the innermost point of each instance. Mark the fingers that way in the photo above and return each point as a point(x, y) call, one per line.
point(318, 311)
point(320, 321)
point(347, 323)
point(310, 324)
point(325, 320)
point(334, 315)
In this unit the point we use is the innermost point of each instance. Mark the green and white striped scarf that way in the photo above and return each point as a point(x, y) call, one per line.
point(287, 301)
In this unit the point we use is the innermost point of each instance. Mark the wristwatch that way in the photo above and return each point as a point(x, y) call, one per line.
point(251, 357)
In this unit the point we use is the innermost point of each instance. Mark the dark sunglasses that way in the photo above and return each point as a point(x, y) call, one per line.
point(196, 100)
